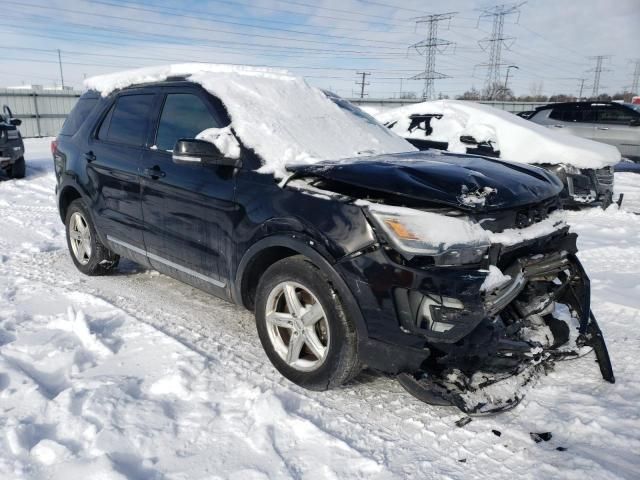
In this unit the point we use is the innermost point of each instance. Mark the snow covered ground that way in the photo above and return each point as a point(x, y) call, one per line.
point(138, 376)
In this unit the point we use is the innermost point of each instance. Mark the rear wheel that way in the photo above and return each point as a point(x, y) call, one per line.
point(89, 255)
point(18, 169)
point(303, 327)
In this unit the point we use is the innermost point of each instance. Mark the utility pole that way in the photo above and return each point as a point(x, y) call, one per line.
point(506, 81)
point(636, 78)
point(362, 82)
point(60, 65)
point(496, 41)
point(429, 47)
point(596, 73)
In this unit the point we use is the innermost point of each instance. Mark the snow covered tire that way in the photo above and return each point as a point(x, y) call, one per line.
point(319, 325)
point(89, 255)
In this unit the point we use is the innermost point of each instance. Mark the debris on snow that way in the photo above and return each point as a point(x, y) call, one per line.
point(539, 437)
point(463, 421)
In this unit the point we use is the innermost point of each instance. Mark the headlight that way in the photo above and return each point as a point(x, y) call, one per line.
point(449, 240)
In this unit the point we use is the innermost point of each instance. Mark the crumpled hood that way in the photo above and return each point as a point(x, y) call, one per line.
point(467, 182)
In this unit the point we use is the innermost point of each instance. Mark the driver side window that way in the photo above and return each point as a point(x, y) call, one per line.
point(184, 115)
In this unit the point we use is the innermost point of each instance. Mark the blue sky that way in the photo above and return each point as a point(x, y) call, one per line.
point(327, 41)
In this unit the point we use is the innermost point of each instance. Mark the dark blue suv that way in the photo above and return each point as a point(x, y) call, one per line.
point(417, 264)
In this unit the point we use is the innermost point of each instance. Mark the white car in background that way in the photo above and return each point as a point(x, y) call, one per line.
point(584, 166)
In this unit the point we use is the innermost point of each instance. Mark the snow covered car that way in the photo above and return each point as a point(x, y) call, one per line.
point(585, 167)
point(11, 145)
point(352, 248)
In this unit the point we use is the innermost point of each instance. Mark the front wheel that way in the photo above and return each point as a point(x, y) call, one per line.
point(89, 255)
point(18, 169)
point(303, 327)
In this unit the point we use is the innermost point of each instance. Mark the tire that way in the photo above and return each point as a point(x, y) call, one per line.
point(18, 169)
point(81, 232)
point(318, 366)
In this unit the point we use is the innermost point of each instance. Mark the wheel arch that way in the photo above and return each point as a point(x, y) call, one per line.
point(68, 194)
point(264, 253)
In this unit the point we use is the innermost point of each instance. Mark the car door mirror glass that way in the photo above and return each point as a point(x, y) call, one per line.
point(194, 151)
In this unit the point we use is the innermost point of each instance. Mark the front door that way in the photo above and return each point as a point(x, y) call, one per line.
point(188, 209)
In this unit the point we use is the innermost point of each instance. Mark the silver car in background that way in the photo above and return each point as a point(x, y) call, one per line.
point(617, 124)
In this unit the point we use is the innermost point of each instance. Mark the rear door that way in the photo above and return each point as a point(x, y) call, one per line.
point(613, 126)
point(113, 167)
point(188, 208)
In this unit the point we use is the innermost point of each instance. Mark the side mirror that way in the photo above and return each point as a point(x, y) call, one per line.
point(16, 122)
point(468, 139)
point(192, 151)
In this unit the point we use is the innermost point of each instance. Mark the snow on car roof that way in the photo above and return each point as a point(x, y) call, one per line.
point(281, 117)
point(518, 139)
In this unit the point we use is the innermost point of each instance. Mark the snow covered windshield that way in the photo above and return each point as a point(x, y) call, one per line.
point(517, 139)
point(282, 118)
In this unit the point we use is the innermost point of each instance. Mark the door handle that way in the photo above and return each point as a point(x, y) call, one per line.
point(602, 128)
point(154, 172)
point(89, 156)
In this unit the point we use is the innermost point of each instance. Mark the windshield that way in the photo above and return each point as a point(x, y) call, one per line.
point(286, 121)
point(634, 106)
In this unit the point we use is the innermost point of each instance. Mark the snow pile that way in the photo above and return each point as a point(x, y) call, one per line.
point(171, 383)
point(223, 139)
point(494, 280)
point(475, 198)
point(512, 236)
point(517, 139)
point(279, 116)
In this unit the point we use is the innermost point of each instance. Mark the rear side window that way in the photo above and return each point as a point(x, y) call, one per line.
point(614, 115)
point(127, 120)
point(578, 113)
point(184, 115)
point(78, 115)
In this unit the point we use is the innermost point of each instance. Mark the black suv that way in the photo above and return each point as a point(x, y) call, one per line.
point(386, 261)
point(11, 145)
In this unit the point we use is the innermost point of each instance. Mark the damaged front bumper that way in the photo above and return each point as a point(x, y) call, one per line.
point(450, 329)
point(584, 187)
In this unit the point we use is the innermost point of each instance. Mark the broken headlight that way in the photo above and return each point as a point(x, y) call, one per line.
point(448, 240)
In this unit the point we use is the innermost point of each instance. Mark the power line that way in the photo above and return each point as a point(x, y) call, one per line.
point(192, 27)
point(179, 14)
point(496, 41)
point(363, 82)
point(429, 47)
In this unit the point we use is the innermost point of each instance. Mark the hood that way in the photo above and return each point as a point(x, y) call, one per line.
point(467, 182)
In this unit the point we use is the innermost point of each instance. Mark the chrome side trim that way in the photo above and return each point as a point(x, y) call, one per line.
point(166, 262)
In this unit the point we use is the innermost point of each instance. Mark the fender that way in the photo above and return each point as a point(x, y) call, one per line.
point(311, 249)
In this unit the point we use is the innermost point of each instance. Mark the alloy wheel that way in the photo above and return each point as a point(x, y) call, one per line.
point(297, 326)
point(80, 236)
